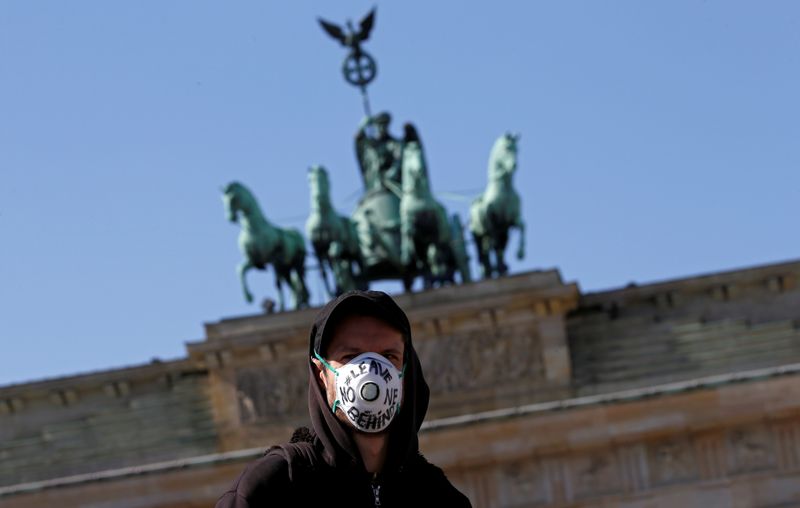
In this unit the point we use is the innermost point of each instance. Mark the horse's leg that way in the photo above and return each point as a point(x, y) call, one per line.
point(483, 255)
point(409, 273)
point(324, 273)
point(423, 260)
point(521, 249)
point(438, 265)
point(408, 281)
point(353, 254)
point(321, 260)
point(298, 276)
point(242, 270)
point(278, 285)
point(500, 251)
point(357, 269)
point(427, 272)
point(406, 241)
point(341, 267)
point(450, 262)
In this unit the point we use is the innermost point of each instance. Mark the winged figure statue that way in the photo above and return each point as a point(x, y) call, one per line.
point(351, 39)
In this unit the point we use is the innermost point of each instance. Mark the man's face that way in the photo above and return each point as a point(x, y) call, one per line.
point(353, 336)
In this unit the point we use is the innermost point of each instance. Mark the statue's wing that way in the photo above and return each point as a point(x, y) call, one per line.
point(366, 25)
point(334, 31)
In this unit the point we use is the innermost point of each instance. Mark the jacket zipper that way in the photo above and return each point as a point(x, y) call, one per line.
point(376, 491)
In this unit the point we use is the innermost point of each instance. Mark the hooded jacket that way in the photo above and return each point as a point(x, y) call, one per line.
point(322, 465)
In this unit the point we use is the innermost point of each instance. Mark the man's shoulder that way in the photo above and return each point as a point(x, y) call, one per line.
point(262, 479)
point(421, 465)
point(432, 479)
point(277, 475)
point(269, 469)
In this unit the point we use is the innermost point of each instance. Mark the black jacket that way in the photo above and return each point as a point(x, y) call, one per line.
point(323, 466)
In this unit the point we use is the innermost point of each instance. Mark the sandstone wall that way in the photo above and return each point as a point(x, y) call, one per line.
point(483, 346)
point(106, 420)
point(638, 336)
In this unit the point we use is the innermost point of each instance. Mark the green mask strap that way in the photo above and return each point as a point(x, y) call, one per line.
point(328, 365)
point(325, 363)
point(402, 373)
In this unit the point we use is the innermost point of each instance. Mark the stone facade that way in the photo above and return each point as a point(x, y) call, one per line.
point(107, 420)
point(681, 393)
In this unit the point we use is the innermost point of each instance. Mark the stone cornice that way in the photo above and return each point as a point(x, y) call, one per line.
point(710, 284)
point(97, 379)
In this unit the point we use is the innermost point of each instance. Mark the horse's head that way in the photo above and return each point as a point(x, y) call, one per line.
point(503, 160)
point(319, 183)
point(414, 167)
point(233, 196)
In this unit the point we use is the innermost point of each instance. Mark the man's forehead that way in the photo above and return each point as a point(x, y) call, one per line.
point(354, 348)
point(361, 306)
point(357, 331)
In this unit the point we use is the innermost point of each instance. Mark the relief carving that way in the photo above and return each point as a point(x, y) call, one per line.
point(750, 449)
point(788, 445)
point(479, 359)
point(522, 484)
point(671, 461)
point(594, 475)
point(270, 392)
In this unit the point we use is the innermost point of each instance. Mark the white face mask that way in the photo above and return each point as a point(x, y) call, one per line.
point(369, 390)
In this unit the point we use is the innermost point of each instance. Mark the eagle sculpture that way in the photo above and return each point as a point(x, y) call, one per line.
point(352, 39)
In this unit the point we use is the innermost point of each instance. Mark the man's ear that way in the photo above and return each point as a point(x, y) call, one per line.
point(322, 380)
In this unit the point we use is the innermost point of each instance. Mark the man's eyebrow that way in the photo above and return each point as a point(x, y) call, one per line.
point(345, 349)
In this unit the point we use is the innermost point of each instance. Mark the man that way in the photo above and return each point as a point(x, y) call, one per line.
point(367, 399)
point(378, 153)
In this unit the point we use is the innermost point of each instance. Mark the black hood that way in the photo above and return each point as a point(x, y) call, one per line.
point(340, 449)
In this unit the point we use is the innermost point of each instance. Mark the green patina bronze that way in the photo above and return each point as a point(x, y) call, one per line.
point(497, 210)
point(429, 244)
point(262, 244)
point(398, 230)
point(378, 154)
point(421, 242)
point(460, 248)
point(377, 215)
point(333, 238)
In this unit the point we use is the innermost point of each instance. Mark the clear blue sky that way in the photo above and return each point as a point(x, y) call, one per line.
point(659, 140)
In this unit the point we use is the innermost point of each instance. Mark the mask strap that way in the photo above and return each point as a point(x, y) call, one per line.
point(326, 363)
point(402, 373)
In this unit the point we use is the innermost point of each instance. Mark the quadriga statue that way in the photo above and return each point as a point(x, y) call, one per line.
point(262, 244)
point(333, 238)
point(497, 210)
